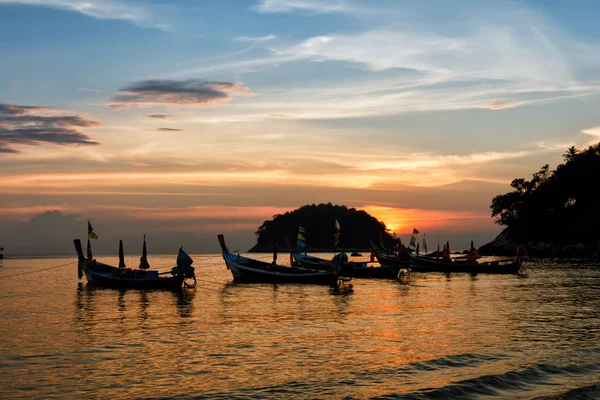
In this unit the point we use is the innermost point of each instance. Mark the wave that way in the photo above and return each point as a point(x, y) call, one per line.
point(508, 384)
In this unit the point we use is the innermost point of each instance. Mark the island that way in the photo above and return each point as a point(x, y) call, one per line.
point(357, 229)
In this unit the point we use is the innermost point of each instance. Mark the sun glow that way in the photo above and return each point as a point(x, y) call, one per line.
point(403, 220)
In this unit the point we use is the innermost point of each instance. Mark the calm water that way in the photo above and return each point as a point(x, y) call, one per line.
point(438, 337)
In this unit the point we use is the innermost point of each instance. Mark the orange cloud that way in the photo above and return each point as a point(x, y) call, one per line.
point(139, 164)
point(150, 213)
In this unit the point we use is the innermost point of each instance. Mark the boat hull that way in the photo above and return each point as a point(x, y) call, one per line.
point(249, 274)
point(391, 261)
point(102, 275)
point(382, 272)
point(352, 269)
point(423, 264)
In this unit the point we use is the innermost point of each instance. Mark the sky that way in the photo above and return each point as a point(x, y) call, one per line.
point(184, 119)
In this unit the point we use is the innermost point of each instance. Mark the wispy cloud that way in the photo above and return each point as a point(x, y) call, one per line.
point(501, 105)
point(255, 39)
point(139, 164)
point(494, 57)
point(100, 9)
point(159, 116)
point(417, 161)
point(491, 53)
point(168, 130)
point(89, 89)
point(594, 133)
point(187, 93)
point(31, 125)
point(320, 6)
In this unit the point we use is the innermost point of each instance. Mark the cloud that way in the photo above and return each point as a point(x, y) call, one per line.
point(592, 131)
point(496, 52)
point(255, 39)
point(8, 150)
point(159, 116)
point(186, 93)
point(416, 161)
point(100, 9)
point(169, 130)
point(493, 57)
point(501, 105)
point(89, 89)
point(139, 164)
point(12, 109)
point(319, 6)
point(32, 125)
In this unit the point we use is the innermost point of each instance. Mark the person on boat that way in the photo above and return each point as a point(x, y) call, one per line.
point(521, 253)
point(472, 256)
point(403, 253)
point(446, 253)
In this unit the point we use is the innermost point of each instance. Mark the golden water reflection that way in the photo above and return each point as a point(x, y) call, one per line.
point(371, 338)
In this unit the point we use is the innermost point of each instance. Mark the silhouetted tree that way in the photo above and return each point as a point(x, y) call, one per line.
point(570, 154)
point(555, 206)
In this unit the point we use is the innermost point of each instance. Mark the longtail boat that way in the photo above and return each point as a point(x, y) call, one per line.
point(245, 269)
point(121, 277)
point(429, 264)
point(352, 268)
point(386, 258)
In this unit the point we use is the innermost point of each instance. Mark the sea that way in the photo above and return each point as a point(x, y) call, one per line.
point(438, 336)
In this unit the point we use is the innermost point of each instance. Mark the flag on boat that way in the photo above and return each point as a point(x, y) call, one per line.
point(413, 239)
point(394, 235)
point(337, 233)
point(91, 234)
point(424, 244)
point(301, 243)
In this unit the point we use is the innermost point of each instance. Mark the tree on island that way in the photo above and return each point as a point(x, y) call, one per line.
point(558, 207)
point(357, 228)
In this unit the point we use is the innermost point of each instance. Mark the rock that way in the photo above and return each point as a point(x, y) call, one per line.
point(504, 245)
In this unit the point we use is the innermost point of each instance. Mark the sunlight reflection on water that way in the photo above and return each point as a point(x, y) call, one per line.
point(442, 336)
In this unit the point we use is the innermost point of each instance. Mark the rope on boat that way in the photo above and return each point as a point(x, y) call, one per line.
point(38, 270)
point(190, 285)
point(251, 287)
point(195, 258)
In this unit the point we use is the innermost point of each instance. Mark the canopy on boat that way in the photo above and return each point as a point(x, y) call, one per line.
point(183, 259)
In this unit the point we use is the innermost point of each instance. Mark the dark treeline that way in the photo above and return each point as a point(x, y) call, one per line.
point(556, 206)
point(357, 228)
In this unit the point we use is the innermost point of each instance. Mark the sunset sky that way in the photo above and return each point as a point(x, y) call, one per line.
point(184, 119)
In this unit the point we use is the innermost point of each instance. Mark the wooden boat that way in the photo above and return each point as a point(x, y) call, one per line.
point(105, 275)
point(390, 259)
point(351, 268)
point(247, 269)
point(428, 264)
